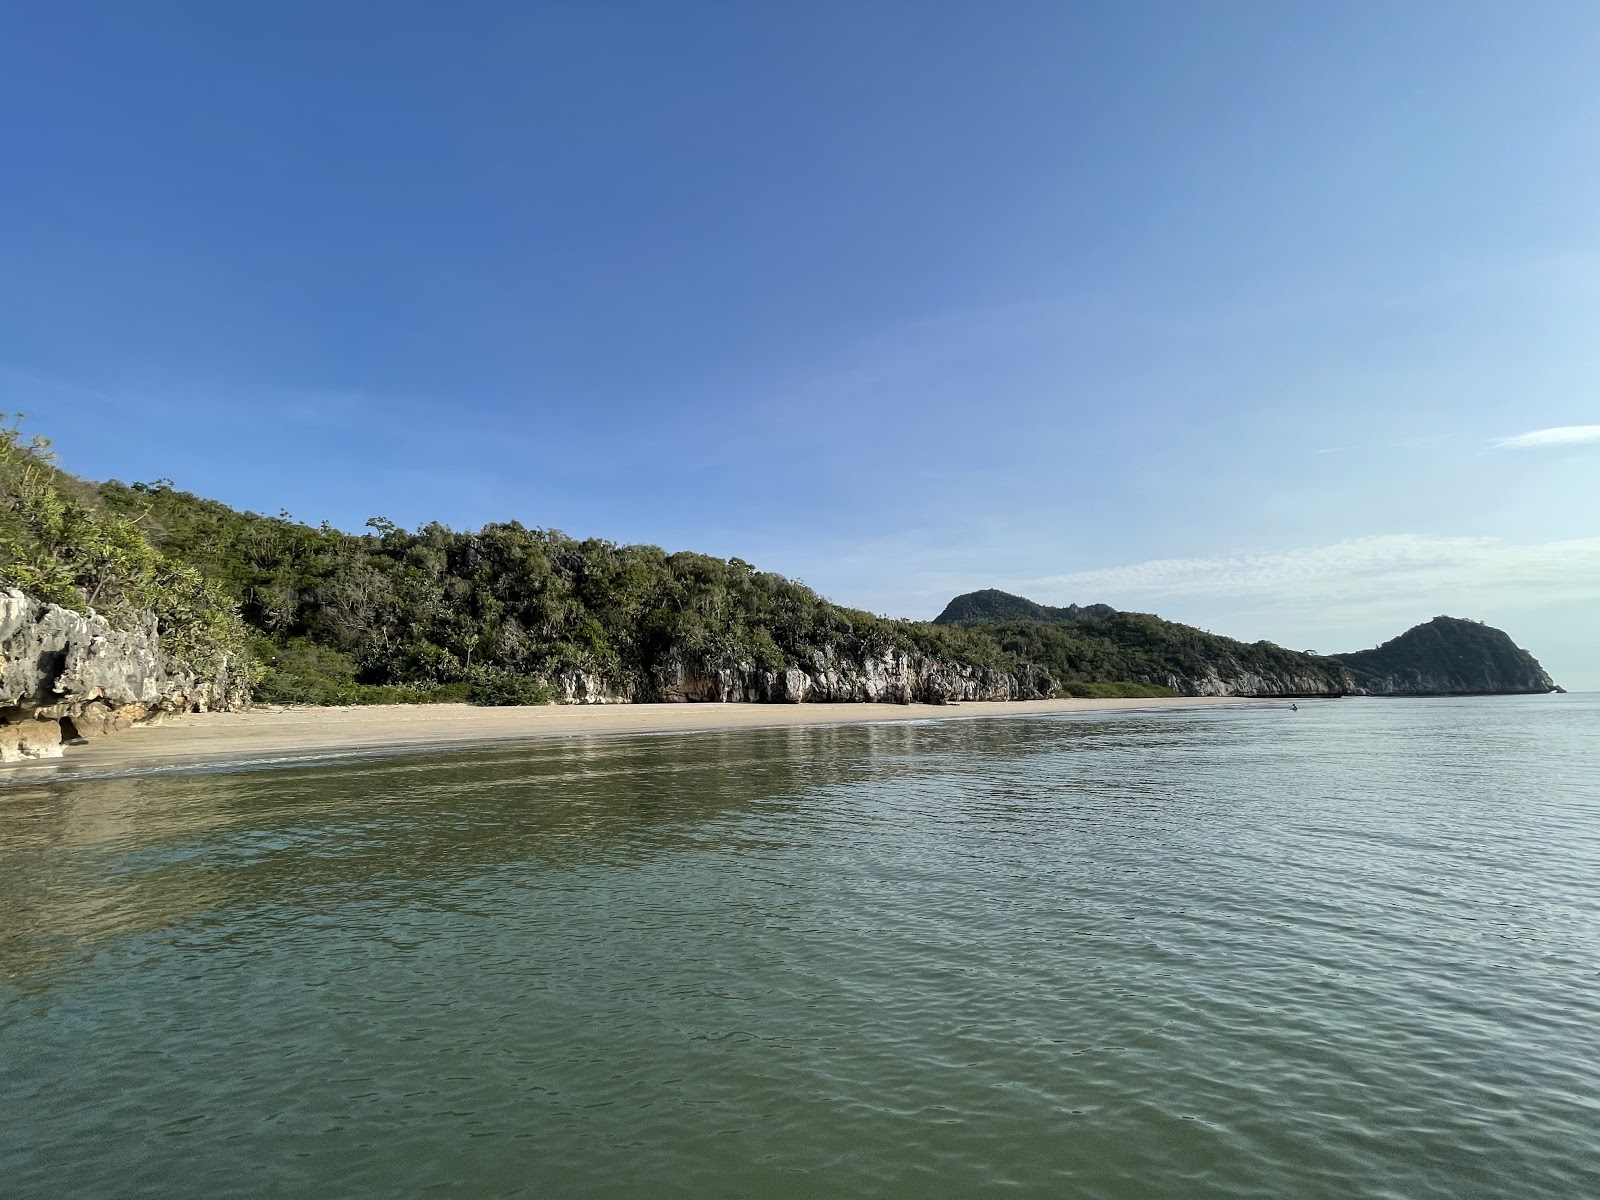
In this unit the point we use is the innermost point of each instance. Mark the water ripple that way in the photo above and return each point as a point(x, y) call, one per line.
point(1208, 953)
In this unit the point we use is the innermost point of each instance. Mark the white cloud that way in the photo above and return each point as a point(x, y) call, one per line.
point(1362, 573)
point(1561, 435)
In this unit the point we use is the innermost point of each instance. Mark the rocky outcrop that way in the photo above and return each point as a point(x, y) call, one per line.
point(574, 687)
point(66, 675)
point(891, 677)
point(1244, 682)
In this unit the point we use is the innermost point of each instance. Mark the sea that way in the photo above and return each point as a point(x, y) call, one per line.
point(1237, 951)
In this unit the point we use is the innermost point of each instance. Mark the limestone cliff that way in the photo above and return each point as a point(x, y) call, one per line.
point(1230, 679)
point(66, 675)
point(891, 677)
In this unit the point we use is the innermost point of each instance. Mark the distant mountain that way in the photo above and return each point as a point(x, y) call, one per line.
point(1095, 643)
point(991, 604)
point(1446, 656)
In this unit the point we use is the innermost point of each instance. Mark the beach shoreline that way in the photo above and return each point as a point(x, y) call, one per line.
point(285, 734)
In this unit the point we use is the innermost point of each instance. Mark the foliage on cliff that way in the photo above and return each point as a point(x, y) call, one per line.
point(1447, 654)
point(62, 547)
point(991, 605)
point(438, 607)
point(1145, 649)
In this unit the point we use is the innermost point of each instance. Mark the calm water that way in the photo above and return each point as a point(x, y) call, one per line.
point(1353, 951)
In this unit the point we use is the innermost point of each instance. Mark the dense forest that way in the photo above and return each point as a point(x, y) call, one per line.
point(1144, 648)
point(990, 605)
point(512, 614)
point(501, 610)
point(1447, 654)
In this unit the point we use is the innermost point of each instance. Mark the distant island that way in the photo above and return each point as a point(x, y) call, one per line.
point(125, 601)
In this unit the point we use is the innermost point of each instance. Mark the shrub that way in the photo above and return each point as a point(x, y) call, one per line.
point(1115, 691)
point(504, 690)
point(61, 547)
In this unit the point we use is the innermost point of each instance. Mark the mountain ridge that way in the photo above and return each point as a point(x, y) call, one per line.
point(1443, 656)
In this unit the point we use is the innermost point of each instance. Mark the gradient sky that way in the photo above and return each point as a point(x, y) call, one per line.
point(1239, 313)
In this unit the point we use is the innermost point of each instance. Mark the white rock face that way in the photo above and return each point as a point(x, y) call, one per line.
point(1249, 683)
point(892, 677)
point(576, 688)
point(65, 675)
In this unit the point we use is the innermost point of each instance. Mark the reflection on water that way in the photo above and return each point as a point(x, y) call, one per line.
point(1351, 951)
point(86, 860)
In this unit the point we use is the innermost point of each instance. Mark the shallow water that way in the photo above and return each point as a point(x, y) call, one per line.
point(1225, 952)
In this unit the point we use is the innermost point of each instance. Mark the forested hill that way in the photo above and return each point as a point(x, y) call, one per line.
point(1450, 656)
point(1144, 649)
point(530, 613)
point(991, 604)
point(1446, 656)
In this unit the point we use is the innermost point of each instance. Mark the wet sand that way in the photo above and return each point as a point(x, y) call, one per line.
point(268, 734)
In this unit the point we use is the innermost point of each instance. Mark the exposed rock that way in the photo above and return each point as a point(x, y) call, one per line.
point(66, 675)
point(577, 688)
point(892, 677)
point(1240, 682)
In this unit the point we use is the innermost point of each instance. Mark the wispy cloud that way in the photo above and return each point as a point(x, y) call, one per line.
point(1561, 435)
point(1359, 571)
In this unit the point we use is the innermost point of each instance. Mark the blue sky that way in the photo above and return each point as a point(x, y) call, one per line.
point(1231, 312)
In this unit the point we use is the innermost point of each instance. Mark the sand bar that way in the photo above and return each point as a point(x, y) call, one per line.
point(266, 734)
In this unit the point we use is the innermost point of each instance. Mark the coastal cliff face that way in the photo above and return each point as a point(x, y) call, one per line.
point(66, 675)
point(892, 677)
point(1219, 681)
point(825, 676)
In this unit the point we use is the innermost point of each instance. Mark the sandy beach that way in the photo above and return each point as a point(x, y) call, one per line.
point(268, 733)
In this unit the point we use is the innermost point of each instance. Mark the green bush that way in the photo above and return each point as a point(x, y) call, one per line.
point(304, 672)
point(509, 690)
point(1114, 691)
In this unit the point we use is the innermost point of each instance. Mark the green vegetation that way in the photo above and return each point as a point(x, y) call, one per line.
point(58, 544)
point(1447, 654)
point(991, 604)
point(1115, 691)
point(1144, 649)
point(497, 614)
point(302, 672)
point(509, 615)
